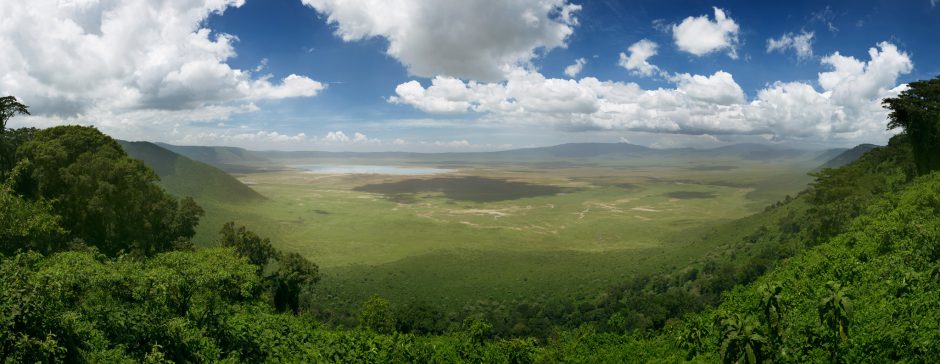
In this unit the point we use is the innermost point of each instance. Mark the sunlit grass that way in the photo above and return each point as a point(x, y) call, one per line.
point(550, 232)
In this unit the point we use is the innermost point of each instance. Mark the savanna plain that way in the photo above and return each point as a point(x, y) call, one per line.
point(497, 232)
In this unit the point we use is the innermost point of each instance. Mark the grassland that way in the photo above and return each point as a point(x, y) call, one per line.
point(502, 232)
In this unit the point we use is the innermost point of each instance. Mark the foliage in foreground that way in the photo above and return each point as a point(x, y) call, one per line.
point(869, 294)
point(105, 198)
point(203, 306)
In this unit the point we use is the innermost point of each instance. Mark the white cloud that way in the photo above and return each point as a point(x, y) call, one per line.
point(637, 62)
point(847, 107)
point(262, 65)
point(444, 96)
point(801, 44)
point(291, 86)
point(574, 69)
point(453, 143)
point(339, 137)
point(255, 138)
point(719, 88)
point(362, 138)
point(472, 39)
point(336, 136)
point(700, 35)
point(127, 62)
point(827, 17)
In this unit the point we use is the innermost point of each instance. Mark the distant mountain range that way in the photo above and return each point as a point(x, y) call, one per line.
point(239, 160)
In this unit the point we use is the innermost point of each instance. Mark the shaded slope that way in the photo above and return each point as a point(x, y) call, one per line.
point(182, 176)
point(228, 159)
point(848, 156)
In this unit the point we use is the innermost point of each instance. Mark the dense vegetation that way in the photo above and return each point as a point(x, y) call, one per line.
point(96, 268)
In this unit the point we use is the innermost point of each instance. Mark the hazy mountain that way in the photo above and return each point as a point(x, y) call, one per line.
point(241, 160)
point(229, 159)
point(183, 176)
point(848, 156)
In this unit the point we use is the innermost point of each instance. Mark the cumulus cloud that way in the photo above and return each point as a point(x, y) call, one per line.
point(446, 95)
point(574, 69)
point(336, 136)
point(339, 137)
point(847, 106)
point(254, 138)
point(362, 138)
point(472, 39)
point(801, 44)
point(701, 35)
point(128, 59)
point(458, 144)
point(271, 139)
point(637, 62)
point(719, 88)
point(453, 143)
point(291, 86)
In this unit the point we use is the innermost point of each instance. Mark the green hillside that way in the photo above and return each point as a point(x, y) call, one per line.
point(862, 286)
point(228, 159)
point(182, 176)
point(848, 156)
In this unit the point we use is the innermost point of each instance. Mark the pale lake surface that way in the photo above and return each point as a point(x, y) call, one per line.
point(368, 169)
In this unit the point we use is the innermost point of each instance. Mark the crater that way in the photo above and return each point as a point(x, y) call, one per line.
point(466, 188)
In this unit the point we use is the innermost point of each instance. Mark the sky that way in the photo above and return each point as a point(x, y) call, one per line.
point(467, 75)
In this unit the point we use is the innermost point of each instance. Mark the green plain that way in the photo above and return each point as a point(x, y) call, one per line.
point(502, 232)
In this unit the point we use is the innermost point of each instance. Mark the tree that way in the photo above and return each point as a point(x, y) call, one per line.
point(376, 315)
point(693, 336)
point(741, 340)
point(10, 107)
point(185, 222)
point(247, 244)
point(835, 310)
point(917, 111)
point(105, 198)
point(25, 225)
point(294, 275)
point(772, 306)
point(477, 329)
point(10, 140)
point(421, 318)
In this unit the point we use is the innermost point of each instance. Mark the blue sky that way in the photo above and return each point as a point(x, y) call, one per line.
point(428, 75)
